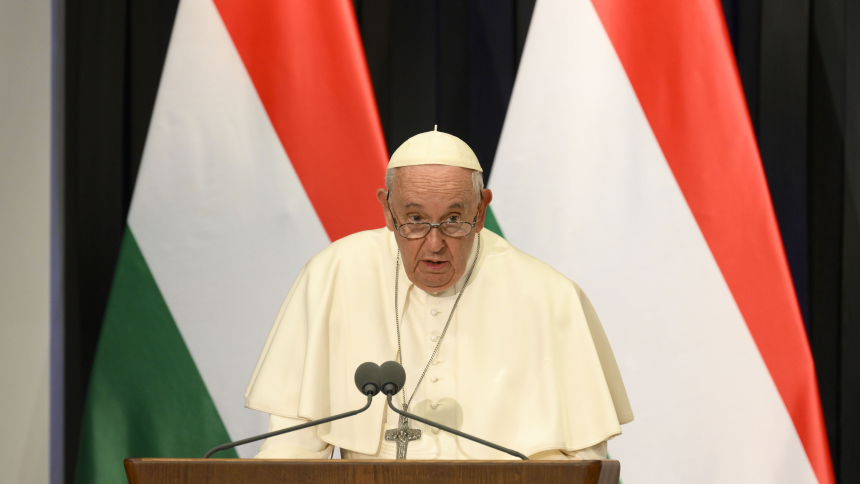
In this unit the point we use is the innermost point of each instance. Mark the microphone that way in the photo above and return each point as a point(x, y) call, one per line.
point(367, 380)
point(393, 376)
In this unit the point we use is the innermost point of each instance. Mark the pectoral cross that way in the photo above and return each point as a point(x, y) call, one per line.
point(402, 435)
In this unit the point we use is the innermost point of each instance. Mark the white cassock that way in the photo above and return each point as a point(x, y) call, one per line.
point(525, 362)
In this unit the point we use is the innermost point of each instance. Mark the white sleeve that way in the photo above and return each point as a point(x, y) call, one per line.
point(595, 452)
point(301, 444)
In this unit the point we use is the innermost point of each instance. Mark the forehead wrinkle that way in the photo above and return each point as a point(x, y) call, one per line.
point(418, 197)
point(409, 192)
point(418, 185)
point(434, 175)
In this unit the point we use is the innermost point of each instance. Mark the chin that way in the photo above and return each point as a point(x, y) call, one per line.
point(436, 285)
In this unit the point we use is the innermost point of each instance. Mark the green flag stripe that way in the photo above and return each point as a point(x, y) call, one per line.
point(146, 397)
point(491, 223)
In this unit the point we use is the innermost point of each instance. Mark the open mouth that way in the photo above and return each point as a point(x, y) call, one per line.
point(435, 265)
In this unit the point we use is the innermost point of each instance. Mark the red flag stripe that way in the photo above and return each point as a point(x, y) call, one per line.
point(307, 64)
point(678, 57)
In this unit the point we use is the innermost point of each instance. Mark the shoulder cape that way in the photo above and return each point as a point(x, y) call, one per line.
point(542, 374)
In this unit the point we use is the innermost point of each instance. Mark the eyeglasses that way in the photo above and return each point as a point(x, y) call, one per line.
point(420, 230)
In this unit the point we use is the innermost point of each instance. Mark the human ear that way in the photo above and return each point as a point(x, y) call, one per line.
point(487, 195)
point(382, 196)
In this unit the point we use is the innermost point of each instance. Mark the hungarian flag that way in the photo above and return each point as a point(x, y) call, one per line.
point(628, 162)
point(264, 146)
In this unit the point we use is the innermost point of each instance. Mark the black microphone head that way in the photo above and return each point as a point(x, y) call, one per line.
point(367, 378)
point(393, 377)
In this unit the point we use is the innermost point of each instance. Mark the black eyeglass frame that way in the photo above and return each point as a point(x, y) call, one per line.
point(431, 225)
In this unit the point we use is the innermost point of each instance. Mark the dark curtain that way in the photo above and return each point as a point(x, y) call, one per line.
point(114, 55)
point(799, 62)
point(449, 63)
point(453, 63)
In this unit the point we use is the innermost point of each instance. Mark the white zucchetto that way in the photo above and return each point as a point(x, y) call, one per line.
point(435, 148)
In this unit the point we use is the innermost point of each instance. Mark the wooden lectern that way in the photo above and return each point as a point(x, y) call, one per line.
point(339, 471)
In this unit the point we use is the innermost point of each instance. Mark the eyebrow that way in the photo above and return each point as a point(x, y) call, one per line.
point(453, 205)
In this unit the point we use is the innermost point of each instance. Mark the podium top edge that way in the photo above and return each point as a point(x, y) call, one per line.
point(150, 460)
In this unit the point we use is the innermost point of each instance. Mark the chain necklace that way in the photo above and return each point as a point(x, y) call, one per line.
point(445, 330)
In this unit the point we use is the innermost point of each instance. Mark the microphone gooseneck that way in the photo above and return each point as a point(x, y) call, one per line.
point(455, 432)
point(393, 379)
point(370, 379)
point(367, 381)
point(312, 423)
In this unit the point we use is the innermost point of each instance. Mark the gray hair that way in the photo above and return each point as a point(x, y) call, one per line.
point(477, 179)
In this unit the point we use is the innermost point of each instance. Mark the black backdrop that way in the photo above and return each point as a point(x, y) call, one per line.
point(453, 63)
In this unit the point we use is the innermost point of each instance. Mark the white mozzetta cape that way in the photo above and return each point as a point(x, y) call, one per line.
point(534, 368)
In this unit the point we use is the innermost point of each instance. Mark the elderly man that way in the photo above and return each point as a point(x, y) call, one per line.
point(494, 342)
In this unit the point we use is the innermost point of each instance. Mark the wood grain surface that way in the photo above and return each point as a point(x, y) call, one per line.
point(338, 471)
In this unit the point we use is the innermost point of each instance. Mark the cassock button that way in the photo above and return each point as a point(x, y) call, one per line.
point(434, 379)
point(434, 312)
point(434, 338)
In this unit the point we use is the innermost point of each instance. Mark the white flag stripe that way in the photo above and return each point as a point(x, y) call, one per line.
point(582, 184)
point(218, 211)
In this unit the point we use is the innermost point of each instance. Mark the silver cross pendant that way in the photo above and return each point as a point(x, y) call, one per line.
point(402, 435)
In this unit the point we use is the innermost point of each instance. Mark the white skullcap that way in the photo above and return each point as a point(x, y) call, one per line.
point(435, 148)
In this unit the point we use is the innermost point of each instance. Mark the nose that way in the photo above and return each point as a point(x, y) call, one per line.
point(434, 240)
